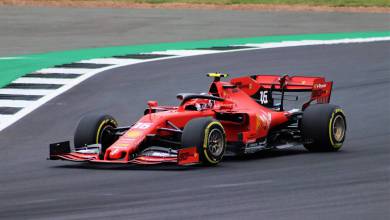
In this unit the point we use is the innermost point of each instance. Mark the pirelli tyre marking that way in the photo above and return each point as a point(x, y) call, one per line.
point(103, 124)
point(214, 145)
point(337, 128)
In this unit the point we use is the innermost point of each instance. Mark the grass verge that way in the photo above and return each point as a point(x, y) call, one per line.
point(13, 68)
point(333, 3)
point(373, 6)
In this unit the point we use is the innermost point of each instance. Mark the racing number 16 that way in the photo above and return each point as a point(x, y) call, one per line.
point(264, 97)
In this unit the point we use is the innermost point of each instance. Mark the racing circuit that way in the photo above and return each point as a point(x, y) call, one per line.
point(287, 184)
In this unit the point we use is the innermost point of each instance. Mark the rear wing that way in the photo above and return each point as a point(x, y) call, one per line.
point(261, 87)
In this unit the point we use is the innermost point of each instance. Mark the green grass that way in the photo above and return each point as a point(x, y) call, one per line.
point(335, 3)
point(14, 68)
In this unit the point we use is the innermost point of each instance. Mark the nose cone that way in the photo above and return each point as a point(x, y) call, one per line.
point(116, 154)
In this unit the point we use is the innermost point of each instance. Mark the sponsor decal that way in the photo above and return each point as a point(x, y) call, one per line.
point(319, 86)
point(258, 122)
point(142, 125)
point(122, 145)
point(126, 139)
point(264, 120)
point(133, 134)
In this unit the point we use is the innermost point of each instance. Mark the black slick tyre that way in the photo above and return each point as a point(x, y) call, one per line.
point(208, 136)
point(323, 127)
point(96, 129)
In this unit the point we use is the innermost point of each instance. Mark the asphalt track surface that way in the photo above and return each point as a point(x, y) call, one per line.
point(289, 184)
point(27, 30)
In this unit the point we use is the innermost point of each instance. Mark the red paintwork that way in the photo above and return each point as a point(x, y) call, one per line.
point(188, 156)
point(258, 121)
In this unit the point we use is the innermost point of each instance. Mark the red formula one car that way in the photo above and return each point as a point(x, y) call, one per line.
point(243, 116)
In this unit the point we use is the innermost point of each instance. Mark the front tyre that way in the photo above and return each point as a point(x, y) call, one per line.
point(96, 129)
point(208, 136)
point(323, 127)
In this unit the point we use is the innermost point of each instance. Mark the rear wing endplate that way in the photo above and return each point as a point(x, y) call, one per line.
point(256, 84)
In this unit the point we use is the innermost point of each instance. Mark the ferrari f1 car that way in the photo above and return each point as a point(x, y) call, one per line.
point(243, 116)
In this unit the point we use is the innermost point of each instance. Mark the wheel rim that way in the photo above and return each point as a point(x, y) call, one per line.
point(216, 142)
point(338, 128)
point(107, 137)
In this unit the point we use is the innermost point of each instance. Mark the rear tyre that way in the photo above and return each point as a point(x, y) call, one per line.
point(208, 136)
point(323, 127)
point(96, 129)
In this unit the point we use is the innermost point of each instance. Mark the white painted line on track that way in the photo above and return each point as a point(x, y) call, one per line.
point(26, 91)
point(11, 58)
point(14, 103)
point(42, 80)
point(316, 42)
point(34, 105)
point(112, 61)
point(64, 70)
point(186, 52)
point(240, 184)
point(86, 73)
point(4, 118)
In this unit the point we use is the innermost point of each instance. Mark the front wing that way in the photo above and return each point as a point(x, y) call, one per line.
point(150, 156)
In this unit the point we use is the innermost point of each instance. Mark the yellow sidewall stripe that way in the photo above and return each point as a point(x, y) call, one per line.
point(104, 122)
point(334, 145)
point(205, 140)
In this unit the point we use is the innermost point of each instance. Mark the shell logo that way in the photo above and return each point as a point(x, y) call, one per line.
point(263, 121)
point(258, 122)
